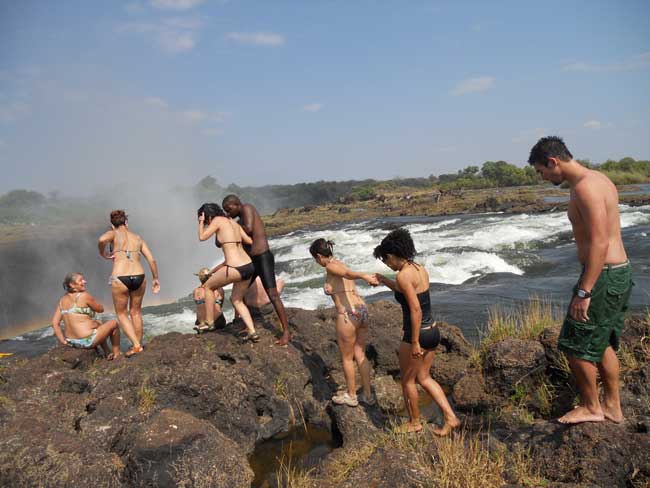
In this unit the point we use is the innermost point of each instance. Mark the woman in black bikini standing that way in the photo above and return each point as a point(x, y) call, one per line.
point(237, 267)
point(127, 281)
point(421, 335)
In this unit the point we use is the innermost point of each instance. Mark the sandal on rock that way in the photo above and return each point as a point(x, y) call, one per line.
point(202, 327)
point(133, 351)
point(254, 337)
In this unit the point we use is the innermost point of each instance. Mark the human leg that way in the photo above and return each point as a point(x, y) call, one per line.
point(237, 299)
point(265, 268)
point(104, 331)
point(360, 357)
point(432, 387)
point(345, 337)
point(408, 371)
point(589, 410)
point(121, 302)
point(609, 374)
point(135, 309)
point(278, 306)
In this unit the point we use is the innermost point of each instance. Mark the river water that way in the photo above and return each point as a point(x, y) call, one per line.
point(474, 262)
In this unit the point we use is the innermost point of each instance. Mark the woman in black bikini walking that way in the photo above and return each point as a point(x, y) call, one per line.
point(237, 267)
point(127, 281)
point(421, 335)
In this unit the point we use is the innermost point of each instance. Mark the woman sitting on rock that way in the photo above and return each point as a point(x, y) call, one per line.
point(237, 267)
point(77, 310)
point(199, 298)
point(351, 320)
point(421, 335)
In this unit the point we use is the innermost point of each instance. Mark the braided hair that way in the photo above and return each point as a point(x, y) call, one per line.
point(323, 247)
point(398, 243)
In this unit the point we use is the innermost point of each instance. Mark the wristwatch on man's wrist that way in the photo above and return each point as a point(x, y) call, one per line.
point(583, 293)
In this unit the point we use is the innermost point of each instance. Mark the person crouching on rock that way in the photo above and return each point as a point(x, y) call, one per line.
point(421, 334)
point(237, 267)
point(199, 298)
point(351, 320)
point(77, 310)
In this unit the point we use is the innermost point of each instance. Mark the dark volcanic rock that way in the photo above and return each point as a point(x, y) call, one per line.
point(470, 394)
point(513, 362)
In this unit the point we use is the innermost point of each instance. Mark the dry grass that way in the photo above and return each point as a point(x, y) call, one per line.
point(463, 460)
point(291, 476)
point(523, 469)
point(340, 468)
point(146, 398)
point(524, 321)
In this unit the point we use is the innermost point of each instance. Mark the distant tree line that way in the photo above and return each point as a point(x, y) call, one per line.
point(24, 206)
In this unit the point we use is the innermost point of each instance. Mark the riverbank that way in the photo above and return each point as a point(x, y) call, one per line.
point(417, 202)
point(190, 409)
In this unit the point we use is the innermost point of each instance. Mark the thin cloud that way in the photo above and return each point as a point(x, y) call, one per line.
point(312, 107)
point(196, 116)
point(177, 5)
point(173, 35)
point(637, 62)
point(257, 38)
point(156, 102)
point(473, 85)
point(596, 124)
point(134, 8)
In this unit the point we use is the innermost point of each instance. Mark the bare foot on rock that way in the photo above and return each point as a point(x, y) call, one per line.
point(581, 414)
point(613, 414)
point(447, 427)
point(284, 340)
point(408, 428)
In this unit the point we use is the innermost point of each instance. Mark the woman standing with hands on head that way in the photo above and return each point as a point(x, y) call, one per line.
point(127, 280)
point(421, 335)
point(237, 267)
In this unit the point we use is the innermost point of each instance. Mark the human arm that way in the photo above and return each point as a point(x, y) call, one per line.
point(246, 239)
point(407, 288)
point(593, 212)
point(104, 240)
point(56, 325)
point(383, 280)
point(146, 252)
point(339, 269)
point(246, 218)
point(92, 302)
point(206, 231)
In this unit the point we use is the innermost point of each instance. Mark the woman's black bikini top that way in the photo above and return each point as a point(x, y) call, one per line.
point(425, 305)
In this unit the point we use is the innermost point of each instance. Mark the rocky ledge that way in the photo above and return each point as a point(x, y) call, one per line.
point(191, 409)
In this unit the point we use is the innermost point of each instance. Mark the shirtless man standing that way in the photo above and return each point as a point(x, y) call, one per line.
point(592, 328)
point(261, 255)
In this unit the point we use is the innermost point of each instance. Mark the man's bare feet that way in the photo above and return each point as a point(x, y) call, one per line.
point(581, 414)
point(447, 427)
point(284, 340)
point(613, 414)
point(114, 355)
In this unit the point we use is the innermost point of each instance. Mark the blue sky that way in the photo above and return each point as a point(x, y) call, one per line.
point(287, 91)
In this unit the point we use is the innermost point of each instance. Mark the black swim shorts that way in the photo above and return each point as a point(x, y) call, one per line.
point(265, 268)
point(609, 301)
point(429, 336)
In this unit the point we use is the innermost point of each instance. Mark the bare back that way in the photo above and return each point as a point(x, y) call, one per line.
point(260, 241)
point(343, 292)
point(77, 325)
point(229, 235)
point(604, 210)
point(127, 251)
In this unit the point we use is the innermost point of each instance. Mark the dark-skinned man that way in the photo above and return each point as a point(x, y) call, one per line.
point(261, 256)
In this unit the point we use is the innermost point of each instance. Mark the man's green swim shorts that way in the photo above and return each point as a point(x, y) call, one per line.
point(610, 296)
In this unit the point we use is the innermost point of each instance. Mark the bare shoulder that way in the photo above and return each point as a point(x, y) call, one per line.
point(594, 183)
point(250, 208)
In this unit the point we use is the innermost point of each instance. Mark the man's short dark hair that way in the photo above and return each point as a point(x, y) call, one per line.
point(230, 199)
point(549, 147)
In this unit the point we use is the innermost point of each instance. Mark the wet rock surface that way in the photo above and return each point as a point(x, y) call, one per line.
point(190, 409)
